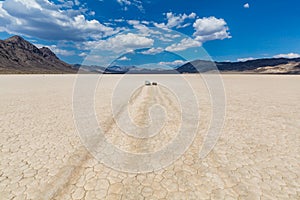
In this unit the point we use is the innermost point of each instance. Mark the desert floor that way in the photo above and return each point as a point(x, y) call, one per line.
point(256, 157)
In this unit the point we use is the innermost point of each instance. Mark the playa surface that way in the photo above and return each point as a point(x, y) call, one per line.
point(256, 157)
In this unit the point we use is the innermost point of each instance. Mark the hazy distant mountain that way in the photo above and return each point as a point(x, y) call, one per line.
point(197, 66)
point(118, 69)
point(20, 56)
point(259, 66)
point(89, 68)
point(268, 65)
point(137, 70)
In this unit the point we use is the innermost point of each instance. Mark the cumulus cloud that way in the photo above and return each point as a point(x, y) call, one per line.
point(82, 54)
point(137, 25)
point(142, 28)
point(288, 55)
point(247, 5)
point(122, 42)
point(176, 20)
point(210, 28)
point(46, 20)
point(184, 44)
point(245, 59)
point(153, 51)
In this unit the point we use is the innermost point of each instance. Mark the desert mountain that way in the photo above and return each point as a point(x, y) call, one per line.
point(261, 66)
point(20, 56)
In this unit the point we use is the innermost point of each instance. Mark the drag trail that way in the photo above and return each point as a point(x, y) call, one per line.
point(139, 107)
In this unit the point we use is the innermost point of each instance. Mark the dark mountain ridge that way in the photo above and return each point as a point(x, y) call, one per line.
point(20, 56)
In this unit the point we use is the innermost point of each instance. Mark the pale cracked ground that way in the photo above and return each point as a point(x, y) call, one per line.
point(257, 156)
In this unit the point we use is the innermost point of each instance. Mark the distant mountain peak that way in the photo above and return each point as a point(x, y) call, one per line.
point(21, 43)
point(15, 38)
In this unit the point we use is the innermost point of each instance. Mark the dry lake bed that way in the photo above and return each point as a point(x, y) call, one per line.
point(256, 157)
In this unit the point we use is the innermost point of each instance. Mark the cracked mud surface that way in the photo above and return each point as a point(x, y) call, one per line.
point(256, 157)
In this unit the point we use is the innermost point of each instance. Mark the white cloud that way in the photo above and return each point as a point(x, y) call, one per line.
point(137, 25)
point(175, 20)
point(118, 20)
point(137, 3)
point(206, 29)
point(77, 2)
point(142, 28)
point(247, 5)
point(61, 52)
point(245, 59)
point(124, 2)
point(160, 25)
point(145, 22)
point(99, 60)
point(164, 39)
point(46, 20)
point(173, 63)
point(173, 36)
point(153, 51)
point(184, 25)
point(122, 42)
point(133, 22)
point(288, 55)
point(184, 44)
point(192, 15)
point(210, 28)
point(83, 54)
point(124, 58)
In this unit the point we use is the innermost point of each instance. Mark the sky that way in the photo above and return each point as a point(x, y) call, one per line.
point(102, 31)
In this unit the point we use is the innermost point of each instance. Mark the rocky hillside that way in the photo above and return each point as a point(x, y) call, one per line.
point(20, 56)
point(259, 66)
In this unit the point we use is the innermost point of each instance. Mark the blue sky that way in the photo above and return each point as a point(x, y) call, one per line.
point(227, 30)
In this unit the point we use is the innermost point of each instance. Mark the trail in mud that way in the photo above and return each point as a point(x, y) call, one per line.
point(138, 107)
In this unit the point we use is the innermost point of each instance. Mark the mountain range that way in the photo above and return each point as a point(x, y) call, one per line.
point(20, 56)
